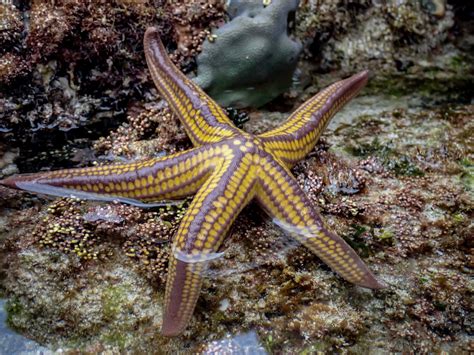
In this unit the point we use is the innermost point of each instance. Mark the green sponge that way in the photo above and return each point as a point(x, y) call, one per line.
point(251, 59)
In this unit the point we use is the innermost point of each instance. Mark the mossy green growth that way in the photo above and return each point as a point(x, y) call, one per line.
point(458, 217)
point(116, 338)
point(400, 164)
point(389, 86)
point(114, 299)
point(466, 162)
point(317, 348)
point(424, 279)
point(459, 62)
point(356, 241)
point(375, 148)
point(457, 88)
point(404, 166)
point(427, 277)
point(359, 234)
point(385, 235)
point(467, 176)
point(27, 259)
point(14, 308)
point(269, 344)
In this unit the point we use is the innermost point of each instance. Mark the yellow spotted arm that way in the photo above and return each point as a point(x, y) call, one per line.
point(298, 135)
point(203, 119)
point(171, 177)
point(200, 235)
point(284, 200)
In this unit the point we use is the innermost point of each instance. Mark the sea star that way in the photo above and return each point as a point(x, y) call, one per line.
point(226, 169)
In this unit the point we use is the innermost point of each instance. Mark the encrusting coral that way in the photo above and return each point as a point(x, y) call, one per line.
point(82, 61)
point(391, 35)
point(70, 226)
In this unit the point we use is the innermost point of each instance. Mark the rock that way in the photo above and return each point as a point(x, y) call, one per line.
point(251, 59)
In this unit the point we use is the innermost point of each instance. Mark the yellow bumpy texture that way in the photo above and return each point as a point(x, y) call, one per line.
point(204, 120)
point(297, 136)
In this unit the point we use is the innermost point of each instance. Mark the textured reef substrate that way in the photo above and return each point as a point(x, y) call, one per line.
point(392, 174)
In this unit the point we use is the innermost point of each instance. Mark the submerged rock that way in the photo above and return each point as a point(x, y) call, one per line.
point(385, 36)
point(251, 59)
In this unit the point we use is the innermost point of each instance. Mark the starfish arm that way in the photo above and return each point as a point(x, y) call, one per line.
point(285, 201)
point(200, 235)
point(298, 135)
point(170, 177)
point(203, 119)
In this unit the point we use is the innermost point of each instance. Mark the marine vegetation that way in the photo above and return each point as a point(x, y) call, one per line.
point(225, 170)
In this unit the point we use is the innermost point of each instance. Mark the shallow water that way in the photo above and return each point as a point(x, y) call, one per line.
point(241, 344)
point(13, 343)
point(265, 282)
point(392, 175)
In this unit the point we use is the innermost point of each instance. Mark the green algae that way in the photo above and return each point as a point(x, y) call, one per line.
point(400, 164)
point(405, 166)
point(356, 241)
point(386, 235)
point(460, 62)
point(456, 88)
point(119, 338)
point(359, 237)
point(467, 176)
point(14, 309)
point(269, 344)
point(114, 298)
point(399, 225)
point(373, 148)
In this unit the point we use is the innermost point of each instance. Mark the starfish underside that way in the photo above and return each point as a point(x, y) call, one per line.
point(225, 171)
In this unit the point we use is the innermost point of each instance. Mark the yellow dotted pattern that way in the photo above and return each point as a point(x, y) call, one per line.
point(284, 200)
point(171, 177)
point(220, 208)
point(205, 225)
point(292, 141)
point(178, 92)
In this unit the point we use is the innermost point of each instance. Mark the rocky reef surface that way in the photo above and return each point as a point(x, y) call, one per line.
point(392, 174)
